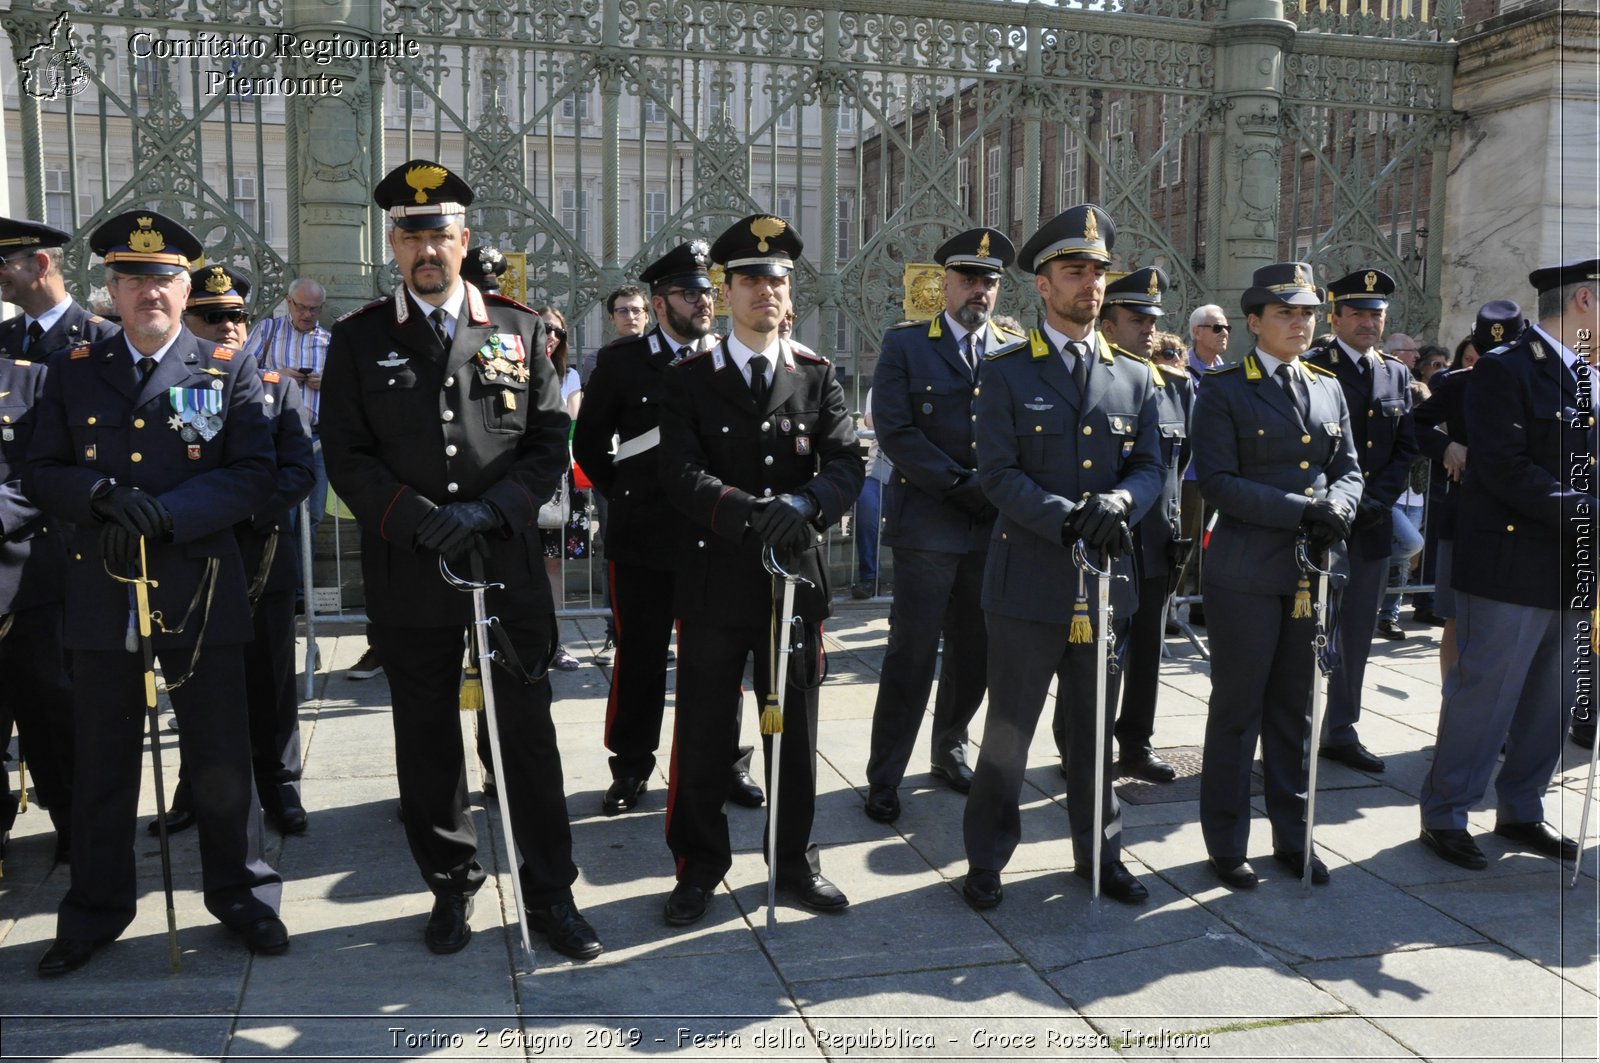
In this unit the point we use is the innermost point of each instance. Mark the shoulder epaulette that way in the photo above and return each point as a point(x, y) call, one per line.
point(811, 356)
point(1126, 354)
point(1391, 358)
point(1003, 331)
point(496, 297)
point(96, 319)
point(1224, 369)
point(362, 309)
point(271, 376)
point(692, 356)
point(21, 361)
point(1315, 368)
point(1010, 348)
point(904, 324)
point(222, 354)
point(78, 350)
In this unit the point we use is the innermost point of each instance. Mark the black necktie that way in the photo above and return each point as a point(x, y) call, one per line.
point(969, 352)
point(1291, 387)
point(758, 381)
point(145, 367)
point(35, 334)
point(1080, 367)
point(437, 317)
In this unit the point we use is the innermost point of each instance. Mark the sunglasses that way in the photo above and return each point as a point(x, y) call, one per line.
point(1218, 328)
point(217, 317)
point(557, 331)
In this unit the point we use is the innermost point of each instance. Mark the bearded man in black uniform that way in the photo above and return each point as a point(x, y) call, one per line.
point(759, 451)
point(444, 432)
point(154, 435)
point(642, 530)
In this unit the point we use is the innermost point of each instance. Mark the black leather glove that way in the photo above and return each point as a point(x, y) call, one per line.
point(1097, 518)
point(119, 546)
point(1326, 522)
point(1369, 514)
point(449, 528)
point(265, 524)
point(967, 496)
point(133, 510)
point(784, 522)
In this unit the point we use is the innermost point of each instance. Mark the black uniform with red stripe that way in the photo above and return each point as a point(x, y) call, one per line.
point(407, 426)
point(719, 454)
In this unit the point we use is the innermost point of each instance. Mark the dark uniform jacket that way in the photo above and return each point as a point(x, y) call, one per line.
point(623, 398)
point(32, 547)
point(96, 421)
point(291, 441)
point(1259, 464)
point(407, 427)
point(74, 326)
point(1379, 401)
point(923, 406)
point(1154, 534)
point(719, 454)
point(1525, 532)
point(1041, 449)
point(1441, 419)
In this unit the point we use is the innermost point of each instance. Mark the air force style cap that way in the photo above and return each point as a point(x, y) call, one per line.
point(1499, 322)
point(1084, 231)
point(762, 245)
point(1140, 291)
point(17, 235)
point(1367, 289)
point(1572, 272)
point(1282, 282)
point(218, 288)
point(422, 195)
point(682, 267)
point(142, 241)
point(482, 267)
point(980, 252)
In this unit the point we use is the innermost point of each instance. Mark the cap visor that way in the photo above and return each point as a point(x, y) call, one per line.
point(761, 269)
point(424, 221)
point(147, 269)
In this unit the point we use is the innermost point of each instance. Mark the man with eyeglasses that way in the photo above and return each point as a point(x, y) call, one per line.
point(155, 438)
point(1209, 332)
point(295, 345)
point(629, 313)
point(623, 401)
point(31, 280)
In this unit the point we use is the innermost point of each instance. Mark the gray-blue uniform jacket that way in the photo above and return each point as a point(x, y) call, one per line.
point(96, 421)
point(1260, 465)
point(1154, 534)
point(924, 402)
point(75, 325)
point(1041, 449)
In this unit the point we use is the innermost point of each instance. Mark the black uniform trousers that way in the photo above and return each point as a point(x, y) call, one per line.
point(424, 670)
point(1255, 697)
point(711, 660)
point(274, 708)
point(1141, 667)
point(1352, 641)
point(1026, 655)
point(36, 693)
point(214, 740)
point(935, 591)
point(641, 606)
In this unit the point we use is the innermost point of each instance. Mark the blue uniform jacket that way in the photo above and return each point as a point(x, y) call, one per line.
point(1525, 532)
point(296, 473)
point(923, 411)
point(95, 421)
point(1441, 419)
point(1259, 464)
point(1042, 448)
point(1154, 534)
point(74, 326)
point(32, 548)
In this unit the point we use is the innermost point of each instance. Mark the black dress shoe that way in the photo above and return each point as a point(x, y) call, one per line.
point(1235, 872)
point(292, 820)
point(267, 936)
point(1353, 754)
point(686, 904)
point(490, 790)
point(954, 774)
point(622, 795)
point(883, 804)
point(448, 930)
point(1391, 630)
point(66, 955)
point(1540, 838)
point(1145, 764)
point(1116, 882)
point(816, 893)
point(744, 791)
point(568, 932)
point(177, 819)
point(1582, 735)
point(1427, 616)
point(1455, 846)
point(982, 889)
point(1295, 860)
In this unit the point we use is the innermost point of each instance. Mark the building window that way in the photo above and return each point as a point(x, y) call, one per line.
point(847, 120)
point(786, 120)
point(783, 205)
point(576, 107)
point(847, 226)
point(993, 176)
point(1172, 150)
point(1071, 172)
point(496, 88)
point(248, 205)
point(1016, 193)
point(654, 113)
point(843, 337)
point(1119, 137)
point(575, 214)
point(58, 200)
point(963, 187)
point(655, 212)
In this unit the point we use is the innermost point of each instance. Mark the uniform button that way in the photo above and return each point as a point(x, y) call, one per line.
point(1038, 428)
point(1369, 444)
point(448, 415)
point(767, 460)
point(701, 543)
point(976, 390)
point(77, 557)
point(1310, 493)
point(1088, 430)
point(902, 479)
point(1003, 535)
point(1305, 439)
point(1372, 413)
point(974, 418)
point(1305, 465)
point(801, 427)
point(724, 428)
point(136, 456)
point(974, 445)
point(452, 487)
point(928, 388)
point(450, 451)
point(766, 492)
point(1511, 527)
point(391, 381)
point(91, 420)
point(138, 422)
point(1261, 431)
point(1087, 464)
point(766, 426)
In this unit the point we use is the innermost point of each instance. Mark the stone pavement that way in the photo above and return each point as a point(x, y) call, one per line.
point(1402, 957)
